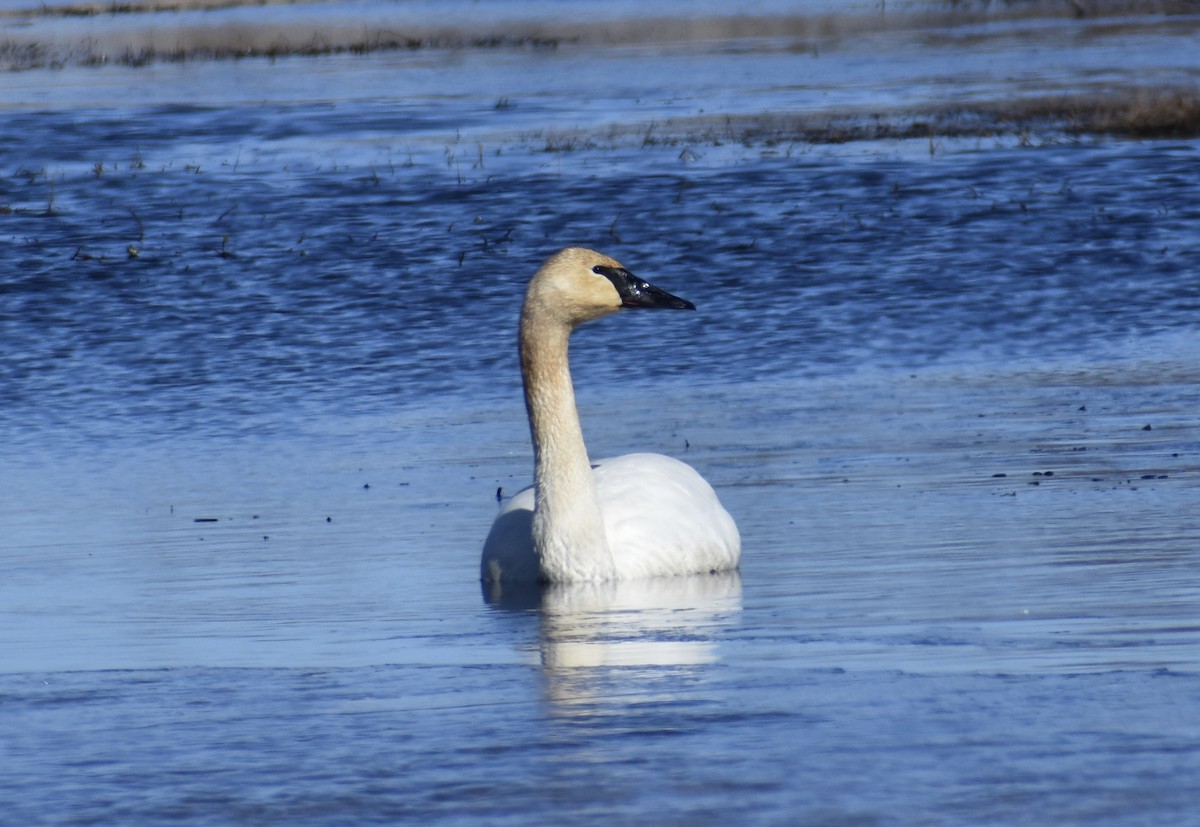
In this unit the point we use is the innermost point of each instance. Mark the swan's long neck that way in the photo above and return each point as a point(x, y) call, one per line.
point(568, 531)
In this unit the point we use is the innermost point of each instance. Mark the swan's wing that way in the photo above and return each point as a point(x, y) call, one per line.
point(663, 518)
point(508, 550)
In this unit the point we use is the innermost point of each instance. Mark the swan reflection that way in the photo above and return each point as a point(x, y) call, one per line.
point(585, 630)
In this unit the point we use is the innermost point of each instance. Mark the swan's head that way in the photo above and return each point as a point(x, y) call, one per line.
point(578, 285)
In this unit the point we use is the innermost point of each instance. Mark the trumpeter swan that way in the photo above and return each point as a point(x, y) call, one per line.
point(634, 516)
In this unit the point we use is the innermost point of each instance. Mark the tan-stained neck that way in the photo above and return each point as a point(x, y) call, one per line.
point(568, 530)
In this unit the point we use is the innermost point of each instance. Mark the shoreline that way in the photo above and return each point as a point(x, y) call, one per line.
point(138, 34)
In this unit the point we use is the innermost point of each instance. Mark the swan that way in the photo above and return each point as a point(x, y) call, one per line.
point(633, 516)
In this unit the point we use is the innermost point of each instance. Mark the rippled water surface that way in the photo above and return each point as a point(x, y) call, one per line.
point(258, 391)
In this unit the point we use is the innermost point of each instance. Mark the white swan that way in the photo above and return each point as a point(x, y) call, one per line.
point(635, 516)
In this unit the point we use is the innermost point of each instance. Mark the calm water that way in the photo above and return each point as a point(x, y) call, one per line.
point(258, 391)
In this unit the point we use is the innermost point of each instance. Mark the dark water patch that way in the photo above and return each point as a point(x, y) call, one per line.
point(162, 289)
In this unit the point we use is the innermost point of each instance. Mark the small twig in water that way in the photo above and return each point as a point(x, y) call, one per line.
point(612, 230)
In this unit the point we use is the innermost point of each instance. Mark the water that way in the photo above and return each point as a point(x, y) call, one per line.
point(258, 391)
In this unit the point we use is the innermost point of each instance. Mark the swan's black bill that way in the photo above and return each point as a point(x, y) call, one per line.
point(637, 293)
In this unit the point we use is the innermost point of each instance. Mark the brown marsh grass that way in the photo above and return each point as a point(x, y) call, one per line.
point(1133, 113)
point(179, 30)
point(1140, 113)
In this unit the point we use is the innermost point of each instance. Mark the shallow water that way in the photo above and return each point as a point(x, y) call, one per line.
point(911, 638)
point(258, 392)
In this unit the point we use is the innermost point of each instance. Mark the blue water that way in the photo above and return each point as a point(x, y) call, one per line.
point(258, 391)
point(357, 288)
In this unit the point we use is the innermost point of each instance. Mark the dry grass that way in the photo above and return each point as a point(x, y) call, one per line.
point(1137, 114)
point(1134, 113)
point(239, 42)
point(93, 9)
point(195, 37)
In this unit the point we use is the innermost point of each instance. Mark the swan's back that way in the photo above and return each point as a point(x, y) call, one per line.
point(660, 516)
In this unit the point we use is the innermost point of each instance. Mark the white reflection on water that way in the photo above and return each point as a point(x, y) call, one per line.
point(639, 627)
